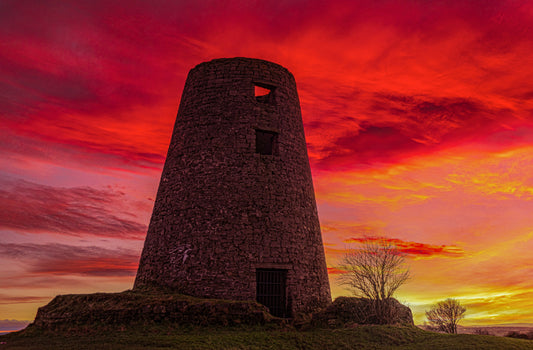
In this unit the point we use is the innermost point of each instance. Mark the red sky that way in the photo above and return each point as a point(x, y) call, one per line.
point(418, 118)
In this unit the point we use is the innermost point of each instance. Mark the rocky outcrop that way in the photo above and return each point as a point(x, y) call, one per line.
point(345, 311)
point(135, 307)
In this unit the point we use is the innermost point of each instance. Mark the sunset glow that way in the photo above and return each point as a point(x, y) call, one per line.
point(418, 118)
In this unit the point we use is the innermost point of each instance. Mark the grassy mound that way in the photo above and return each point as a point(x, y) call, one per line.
point(346, 311)
point(151, 306)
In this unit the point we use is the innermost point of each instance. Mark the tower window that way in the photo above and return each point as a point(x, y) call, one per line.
point(266, 142)
point(264, 93)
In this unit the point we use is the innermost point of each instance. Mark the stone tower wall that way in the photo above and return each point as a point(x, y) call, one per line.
point(222, 209)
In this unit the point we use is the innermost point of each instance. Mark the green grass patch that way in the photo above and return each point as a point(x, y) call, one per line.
point(256, 337)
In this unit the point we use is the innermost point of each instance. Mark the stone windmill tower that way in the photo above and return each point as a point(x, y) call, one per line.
point(235, 215)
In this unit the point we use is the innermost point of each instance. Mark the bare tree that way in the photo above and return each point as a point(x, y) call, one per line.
point(375, 271)
point(445, 315)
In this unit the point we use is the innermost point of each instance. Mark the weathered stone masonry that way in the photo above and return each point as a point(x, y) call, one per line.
point(236, 196)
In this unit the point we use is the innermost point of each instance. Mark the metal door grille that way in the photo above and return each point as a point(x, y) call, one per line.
point(271, 290)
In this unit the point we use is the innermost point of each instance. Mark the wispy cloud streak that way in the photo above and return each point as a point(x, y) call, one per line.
point(61, 259)
point(30, 207)
point(413, 249)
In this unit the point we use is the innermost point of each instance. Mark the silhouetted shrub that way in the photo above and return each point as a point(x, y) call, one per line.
point(518, 335)
point(445, 315)
point(375, 271)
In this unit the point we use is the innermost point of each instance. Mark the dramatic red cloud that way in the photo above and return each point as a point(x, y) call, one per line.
point(413, 249)
point(74, 72)
point(60, 259)
point(406, 126)
point(31, 207)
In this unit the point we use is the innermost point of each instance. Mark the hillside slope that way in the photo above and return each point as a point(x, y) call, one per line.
point(255, 337)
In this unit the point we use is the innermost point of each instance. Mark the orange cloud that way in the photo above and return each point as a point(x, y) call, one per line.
point(335, 271)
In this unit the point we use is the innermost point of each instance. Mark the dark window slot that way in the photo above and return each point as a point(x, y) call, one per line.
point(266, 142)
